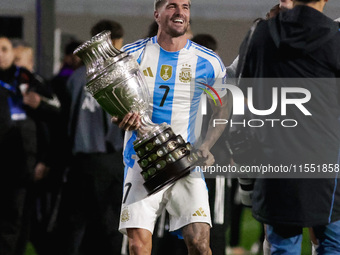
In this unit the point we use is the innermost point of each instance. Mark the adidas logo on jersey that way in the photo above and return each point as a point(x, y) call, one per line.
point(147, 72)
point(200, 212)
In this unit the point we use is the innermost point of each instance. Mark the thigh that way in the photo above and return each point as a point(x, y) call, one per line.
point(328, 237)
point(139, 210)
point(284, 239)
point(188, 202)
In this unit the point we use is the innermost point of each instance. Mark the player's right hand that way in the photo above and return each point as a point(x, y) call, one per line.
point(205, 153)
point(32, 99)
point(131, 121)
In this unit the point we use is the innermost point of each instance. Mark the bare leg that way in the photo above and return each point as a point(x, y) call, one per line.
point(140, 241)
point(197, 238)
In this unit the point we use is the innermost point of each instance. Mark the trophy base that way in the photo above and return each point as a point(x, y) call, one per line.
point(164, 157)
point(168, 176)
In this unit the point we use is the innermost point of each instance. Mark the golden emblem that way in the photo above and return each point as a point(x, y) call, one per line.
point(185, 75)
point(125, 215)
point(166, 72)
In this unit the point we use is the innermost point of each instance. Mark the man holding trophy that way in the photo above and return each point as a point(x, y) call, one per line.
point(169, 59)
point(161, 112)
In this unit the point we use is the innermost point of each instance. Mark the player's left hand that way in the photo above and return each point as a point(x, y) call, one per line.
point(131, 121)
point(205, 153)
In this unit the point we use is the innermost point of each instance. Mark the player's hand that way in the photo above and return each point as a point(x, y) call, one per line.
point(32, 99)
point(131, 121)
point(206, 154)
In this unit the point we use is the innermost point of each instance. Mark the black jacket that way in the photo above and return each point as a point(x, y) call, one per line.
point(22, 142)
point(302, 44)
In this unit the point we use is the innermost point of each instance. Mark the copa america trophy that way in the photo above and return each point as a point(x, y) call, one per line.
point(116, 82)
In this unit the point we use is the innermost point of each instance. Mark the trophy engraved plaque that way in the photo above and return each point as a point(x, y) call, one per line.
point(118, 85)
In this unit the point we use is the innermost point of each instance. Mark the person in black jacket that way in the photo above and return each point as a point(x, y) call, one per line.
point(299, 43)
point(19, 145)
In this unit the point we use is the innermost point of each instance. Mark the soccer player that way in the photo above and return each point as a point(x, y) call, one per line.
point(174, 64)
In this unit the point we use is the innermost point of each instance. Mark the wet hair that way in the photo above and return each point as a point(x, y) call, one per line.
point(159, 3)
point(114, 27)
point(206, 40)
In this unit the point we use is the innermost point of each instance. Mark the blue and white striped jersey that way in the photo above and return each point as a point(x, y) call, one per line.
point(175, 81)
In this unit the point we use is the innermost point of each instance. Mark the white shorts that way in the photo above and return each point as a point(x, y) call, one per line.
point(186, 202)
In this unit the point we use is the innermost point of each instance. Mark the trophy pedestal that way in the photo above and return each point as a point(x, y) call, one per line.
point(164, 158)
point(169, 176)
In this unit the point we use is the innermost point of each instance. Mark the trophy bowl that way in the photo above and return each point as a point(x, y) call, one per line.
point(118, 85)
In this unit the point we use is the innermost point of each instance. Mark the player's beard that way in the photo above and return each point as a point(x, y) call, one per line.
point(177, 33)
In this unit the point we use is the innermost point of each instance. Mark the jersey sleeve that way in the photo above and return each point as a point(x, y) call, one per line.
point(136, 49)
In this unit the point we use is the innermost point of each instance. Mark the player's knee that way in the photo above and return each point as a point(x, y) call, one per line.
point(140, 241)
point(139, 247)
point(197, 236)
point(198, 246)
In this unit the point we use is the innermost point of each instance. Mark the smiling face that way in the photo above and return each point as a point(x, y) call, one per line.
point(6, 53)
point(173, 17)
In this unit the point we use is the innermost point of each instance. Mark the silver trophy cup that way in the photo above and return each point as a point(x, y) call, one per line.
point(118, 85)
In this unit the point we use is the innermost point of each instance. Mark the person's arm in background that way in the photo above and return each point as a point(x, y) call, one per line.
point(40, 99)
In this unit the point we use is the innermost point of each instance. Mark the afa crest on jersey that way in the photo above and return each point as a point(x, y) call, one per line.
point(185, 74)
point(166, 72)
